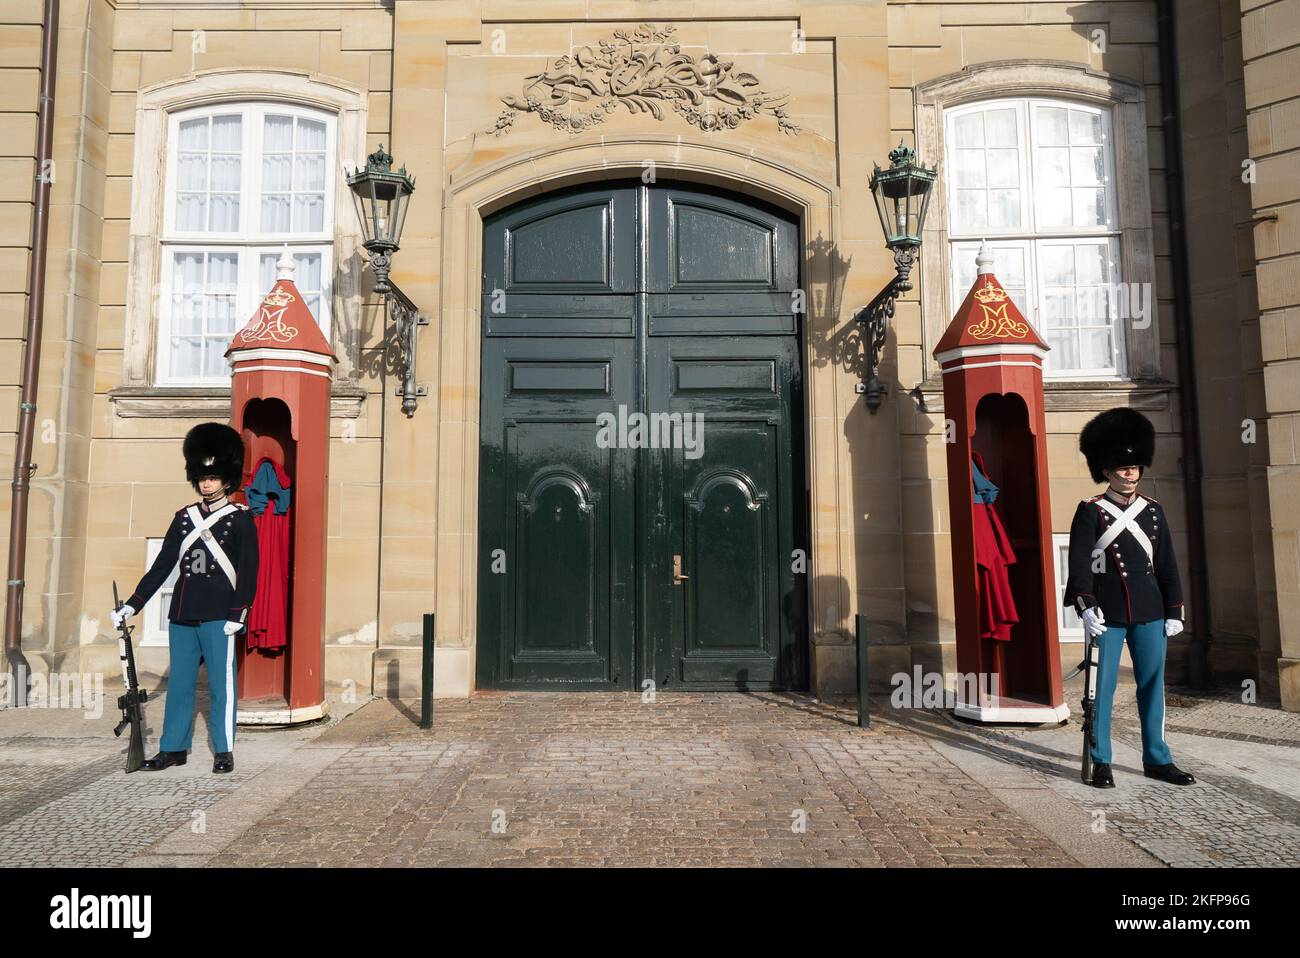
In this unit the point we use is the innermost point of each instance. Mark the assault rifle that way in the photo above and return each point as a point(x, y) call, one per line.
point(1089, 666)
point(135, 697)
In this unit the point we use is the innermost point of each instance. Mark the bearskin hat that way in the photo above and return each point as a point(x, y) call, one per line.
point(1118, 437)
point(214, 449)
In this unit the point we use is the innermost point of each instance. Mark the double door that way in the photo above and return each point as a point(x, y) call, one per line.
point(641, 485)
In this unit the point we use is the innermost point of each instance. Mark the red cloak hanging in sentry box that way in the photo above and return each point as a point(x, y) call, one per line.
point(280, 402)
point(992, 364)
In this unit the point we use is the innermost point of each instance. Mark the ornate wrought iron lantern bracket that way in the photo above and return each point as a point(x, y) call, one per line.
point(407, 320)
point(875, 318)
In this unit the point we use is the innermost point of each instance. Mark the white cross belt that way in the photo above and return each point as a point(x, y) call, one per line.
point(203, 527)
point(1124, 521)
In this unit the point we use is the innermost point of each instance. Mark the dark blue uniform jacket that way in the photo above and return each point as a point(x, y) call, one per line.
point(1131, 588)
point(203, 592)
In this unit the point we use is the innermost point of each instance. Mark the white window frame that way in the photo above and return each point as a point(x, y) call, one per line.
point(1069, 626)
point(248, 239)
point(154, 630)
point(1026, 235)
point(1145, 384)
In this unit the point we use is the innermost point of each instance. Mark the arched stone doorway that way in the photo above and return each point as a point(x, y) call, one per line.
point(641, 475)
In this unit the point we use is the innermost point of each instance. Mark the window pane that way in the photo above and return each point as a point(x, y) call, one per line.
point(1000, 128)
point(1085, 127)
point(214, 362)
point(1091, 261)
point(187, 313)
point(968, 130)
point(1004, 208)
point(307, 271)
point(277, 134)
point(1054, 167)
point(1052, 127)
point(1087, 166)
point(1056, 265)
point(225, 173)
point(224, 209)
point(276, 209)
point(308, 212)
point(1064, 355)
point(1096, 350)
point(1054, 208)
point(185, 357)
point(1089, 207)
point(968, 172)
point(192, 171)
point(1003, 168)
point(311, 136)
point(309, 172)
point(187, 272)
point(277, 172)
point(971, 214)
point(1058, 309)
point(226, 134)
point(193, 134)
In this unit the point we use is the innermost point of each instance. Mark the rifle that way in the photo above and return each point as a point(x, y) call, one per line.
point(1089, 665)
point(135, 697)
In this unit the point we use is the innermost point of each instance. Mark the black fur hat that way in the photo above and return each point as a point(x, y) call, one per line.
point(214, 449)
point(1117, 437)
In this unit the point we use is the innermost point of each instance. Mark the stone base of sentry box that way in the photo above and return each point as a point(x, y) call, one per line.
point(280, 715)
point(1013, 711)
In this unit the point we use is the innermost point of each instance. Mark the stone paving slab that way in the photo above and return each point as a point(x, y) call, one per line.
point(525, 779)
point(1242, 811)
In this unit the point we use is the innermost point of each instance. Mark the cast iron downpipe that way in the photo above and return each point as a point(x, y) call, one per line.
point(1198, 647)
point(23, 466)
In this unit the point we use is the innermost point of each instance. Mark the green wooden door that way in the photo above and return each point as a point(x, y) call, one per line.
point(665, 555)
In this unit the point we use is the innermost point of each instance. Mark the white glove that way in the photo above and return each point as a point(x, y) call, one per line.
point(233, 627)
point(121, 615)
point(1094, 621)
point(1173, 627)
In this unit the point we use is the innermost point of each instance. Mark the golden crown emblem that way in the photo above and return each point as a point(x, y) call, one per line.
point(988, 293)
point(279, 297)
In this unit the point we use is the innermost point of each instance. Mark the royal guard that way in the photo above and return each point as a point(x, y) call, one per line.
point(1124, 582)
point(215, 544)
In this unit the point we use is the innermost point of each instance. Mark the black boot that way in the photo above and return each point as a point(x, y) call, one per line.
point(1101, 776)
point(223, 762)
point(1170, 773)
point(163, 760)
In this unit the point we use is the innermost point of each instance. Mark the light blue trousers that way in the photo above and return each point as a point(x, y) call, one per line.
point(1146, 647)
point(188, 643)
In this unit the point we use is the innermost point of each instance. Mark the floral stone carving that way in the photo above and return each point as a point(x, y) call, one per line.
point(642, 70)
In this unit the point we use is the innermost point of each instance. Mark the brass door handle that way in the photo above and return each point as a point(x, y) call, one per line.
point(678, 578)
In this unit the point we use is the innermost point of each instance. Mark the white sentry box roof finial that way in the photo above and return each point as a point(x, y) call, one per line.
point(284, 265)
point(984, 260)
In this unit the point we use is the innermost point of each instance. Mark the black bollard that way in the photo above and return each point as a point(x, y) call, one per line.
point(426, 674)
point(864, 720)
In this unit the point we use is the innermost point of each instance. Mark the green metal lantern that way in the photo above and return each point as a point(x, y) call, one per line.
point(381, 196)
point(902, 195)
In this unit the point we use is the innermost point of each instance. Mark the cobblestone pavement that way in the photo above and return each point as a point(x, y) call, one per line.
point(605, 779)
point(1244, 809)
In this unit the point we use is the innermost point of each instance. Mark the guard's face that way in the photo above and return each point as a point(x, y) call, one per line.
point(210, 485)
point(1125, 478)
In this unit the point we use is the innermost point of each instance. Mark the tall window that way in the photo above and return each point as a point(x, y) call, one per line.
point(1035, 177)
point(243, 181)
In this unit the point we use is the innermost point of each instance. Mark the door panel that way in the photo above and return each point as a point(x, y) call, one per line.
point(555, 520)
point(735, 620)
point(670, 302)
